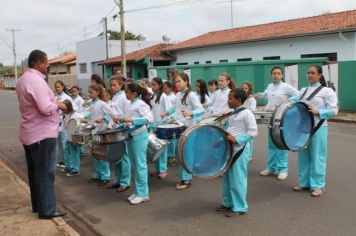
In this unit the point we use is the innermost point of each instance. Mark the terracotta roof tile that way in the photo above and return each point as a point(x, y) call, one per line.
point(64, 59)
point(310, 25)
point(154, 52)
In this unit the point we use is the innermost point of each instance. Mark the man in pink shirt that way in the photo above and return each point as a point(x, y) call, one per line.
point(38, 133)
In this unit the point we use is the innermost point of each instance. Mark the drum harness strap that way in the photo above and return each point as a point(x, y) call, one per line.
point(316, 91)
point(238, 154)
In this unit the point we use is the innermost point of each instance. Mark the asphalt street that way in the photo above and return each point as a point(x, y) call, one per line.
point(274, 209)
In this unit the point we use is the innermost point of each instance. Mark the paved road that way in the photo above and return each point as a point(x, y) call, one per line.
point(274, 208)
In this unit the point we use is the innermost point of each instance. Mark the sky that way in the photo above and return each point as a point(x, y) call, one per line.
point(55, 26)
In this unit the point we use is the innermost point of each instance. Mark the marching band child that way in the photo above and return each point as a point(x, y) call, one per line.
point(62, 139)
point(98, 109)
point(226, 83)
point(250, 104)
point(171, 150)
point(203, 95)
point(119, 109)
point(71, 150)
point(312, 160)
point(138, 114)
point(187, 107)
point(77, 99)
point(241, 129)
point(213, 87)
point(276, 93)
point(159, 104)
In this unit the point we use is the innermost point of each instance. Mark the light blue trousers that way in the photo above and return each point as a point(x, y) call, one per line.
point(101, 169)
point(171, 152)
point(234, 184)
point(61, 142)
point(312, 161)
point(277, 158)
point(250, 149)
point(123, 170)
point(137, 150)
point(161, 163)
point(72, 156)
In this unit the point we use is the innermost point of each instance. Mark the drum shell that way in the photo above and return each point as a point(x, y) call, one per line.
point(111, 137)
point(155, 147)
point(82, 136)
point(112, 153)
point(169, 133)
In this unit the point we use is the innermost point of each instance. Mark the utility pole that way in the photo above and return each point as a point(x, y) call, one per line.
point(122, 34)
point(232, 15)
point(14, 50)
point(105, 21)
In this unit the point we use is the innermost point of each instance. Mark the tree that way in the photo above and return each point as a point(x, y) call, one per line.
point(115, 35)
point(65, 53)
point(1, 65)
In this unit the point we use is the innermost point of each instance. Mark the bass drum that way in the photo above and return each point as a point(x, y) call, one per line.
point(204, 151)
point(112, 153)
point(291, 126)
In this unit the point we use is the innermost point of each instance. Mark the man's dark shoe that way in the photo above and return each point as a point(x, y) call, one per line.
point(56, 214)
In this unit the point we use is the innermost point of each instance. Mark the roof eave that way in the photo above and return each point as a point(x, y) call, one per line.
point(263, 39)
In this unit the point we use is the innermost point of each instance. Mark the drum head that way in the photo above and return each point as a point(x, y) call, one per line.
point(208, 120)
point(169, 126)
point(71, 127)
point(297, 126)
point(204, 151)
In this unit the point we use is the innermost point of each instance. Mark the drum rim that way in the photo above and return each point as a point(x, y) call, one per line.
point(286, 147)
point(185, 135)
point(176, 127)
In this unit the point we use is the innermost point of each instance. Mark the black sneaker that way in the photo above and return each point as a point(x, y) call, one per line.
point(72, 173)
point(61, 164)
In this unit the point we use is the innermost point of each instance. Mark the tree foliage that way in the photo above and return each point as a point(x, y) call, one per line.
point(115, 35)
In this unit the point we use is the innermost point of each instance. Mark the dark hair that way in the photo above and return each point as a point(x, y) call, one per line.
point(140, 92)
point(228, 77)
point(168, 84)
point(203, 90)
point(185, 77)
point(35, 57)
point(159, 81)
point(172, 74)
point(69, 106)
point(98, 80)
point(239, 93)
point(75, 87)
point(120, 81)
point(249, 85)
point(277, 68)
point(98, 88)
point(62, 84)
point(213, 82)
point(322, 80)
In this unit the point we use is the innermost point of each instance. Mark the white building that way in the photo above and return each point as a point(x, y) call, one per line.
point(329, 35)
point(92, 51)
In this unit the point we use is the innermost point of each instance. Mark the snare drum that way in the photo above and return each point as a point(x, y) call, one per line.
point(112, 153)
point(112, 135)
point(204, 151)
point(82, 136)
point(169, 131)
point(72, 126)
point(155, 147)
point(263, 117)
point(291, 126)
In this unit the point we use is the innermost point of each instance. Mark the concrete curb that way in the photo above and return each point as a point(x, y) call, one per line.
point(338, 120)
point(59, 221)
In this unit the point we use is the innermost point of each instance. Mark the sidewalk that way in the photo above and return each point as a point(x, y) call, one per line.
point(16, 217)
point(345, 117)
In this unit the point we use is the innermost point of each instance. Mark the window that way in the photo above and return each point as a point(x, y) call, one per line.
point(272, 58)
point(331, 56)
point(244, 59)
point(182, 64)
point(208, 62)
point(83, 68)
point(196, 62)
point(224, 61)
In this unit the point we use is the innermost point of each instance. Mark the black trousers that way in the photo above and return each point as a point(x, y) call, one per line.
point(41, 167)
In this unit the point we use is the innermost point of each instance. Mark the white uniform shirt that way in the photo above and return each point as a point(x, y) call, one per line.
point(241, 123)
point(192, 103)
point(79, 102)
point(119, 104)
point(98, 108)
point(250, 103)
point(278, 93)
point(207, 105)
point(172, 99)
point(160, 107)
point(67, 117)
point(220, 101)
point(325, 99)
point(139, 109)
point(212, 95)
point(63, 96)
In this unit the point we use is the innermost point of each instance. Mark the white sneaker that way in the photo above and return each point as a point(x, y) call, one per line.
point(266, 172)
point(250, 158)
point(132, 196)
point(282, 176)
point(138, 200)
